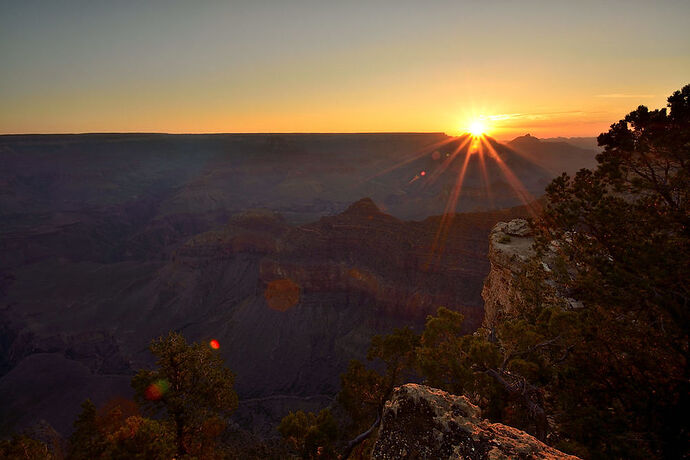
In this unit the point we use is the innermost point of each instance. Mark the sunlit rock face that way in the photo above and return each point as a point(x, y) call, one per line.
point(510, 246)
point(420, 422)
point(510, 250)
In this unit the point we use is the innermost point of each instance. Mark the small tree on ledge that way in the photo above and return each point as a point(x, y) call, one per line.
point(194, 389)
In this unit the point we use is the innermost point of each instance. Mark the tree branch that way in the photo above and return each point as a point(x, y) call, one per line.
point(360, 438)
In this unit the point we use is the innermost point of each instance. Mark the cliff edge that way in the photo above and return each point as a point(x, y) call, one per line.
point(510, 246)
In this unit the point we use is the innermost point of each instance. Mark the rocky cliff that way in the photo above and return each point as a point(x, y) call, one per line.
point(510, 249)
point(510, 246)
point(420, 422)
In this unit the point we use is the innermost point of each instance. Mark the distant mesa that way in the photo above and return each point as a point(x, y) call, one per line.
point(526, 139)
point(364, 207)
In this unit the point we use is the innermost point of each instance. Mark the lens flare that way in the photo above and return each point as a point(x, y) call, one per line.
point(157, 390)
point(473, 153)
point(282, 294)
point(214, 344)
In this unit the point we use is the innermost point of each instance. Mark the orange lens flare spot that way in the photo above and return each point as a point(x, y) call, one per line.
point(214, 344)
point(281, 295)
point(423, 173)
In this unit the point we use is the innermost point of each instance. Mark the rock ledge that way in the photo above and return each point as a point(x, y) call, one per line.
point(426, 423)
point(510, 247)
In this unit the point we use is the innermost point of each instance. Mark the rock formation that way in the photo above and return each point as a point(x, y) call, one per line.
point(510, 246)
point(426, 423)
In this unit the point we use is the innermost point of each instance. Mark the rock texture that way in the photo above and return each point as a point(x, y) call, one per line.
point(510, 246)
point(420, 422)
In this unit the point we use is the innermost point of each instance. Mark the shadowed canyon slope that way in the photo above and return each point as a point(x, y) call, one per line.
point(111, 240)
point(355, 274)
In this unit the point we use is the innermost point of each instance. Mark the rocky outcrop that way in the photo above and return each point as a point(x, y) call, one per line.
point(510, 250)
point(426, 423)
point(510, 246)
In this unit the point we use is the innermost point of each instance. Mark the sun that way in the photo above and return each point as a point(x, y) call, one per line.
point(477, 128)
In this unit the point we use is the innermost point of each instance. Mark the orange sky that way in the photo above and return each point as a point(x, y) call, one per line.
point(548, 68)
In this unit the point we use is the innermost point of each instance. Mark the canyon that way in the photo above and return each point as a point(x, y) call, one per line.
point(261, 242)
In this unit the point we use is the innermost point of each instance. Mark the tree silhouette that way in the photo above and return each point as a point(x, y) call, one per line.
point(311, 435)
point(622, 232)
point(192, 387)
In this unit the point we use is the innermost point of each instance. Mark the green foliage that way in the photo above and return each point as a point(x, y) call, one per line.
point(446, 356)
point(24, 447)
point(110, 433)
point(396, 349)
point(87, 441)
point(361, 390)
point(496, 371)
point(192, 387)
point(364, 391)
point(310, 435)
point(622, 233)
point(140, 438)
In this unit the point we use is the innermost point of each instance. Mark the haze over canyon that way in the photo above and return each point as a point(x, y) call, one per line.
point(291, 250)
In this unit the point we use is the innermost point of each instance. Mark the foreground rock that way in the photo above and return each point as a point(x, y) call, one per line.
point(426, 423)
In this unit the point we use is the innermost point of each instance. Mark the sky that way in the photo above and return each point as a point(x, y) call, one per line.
point(549, 68)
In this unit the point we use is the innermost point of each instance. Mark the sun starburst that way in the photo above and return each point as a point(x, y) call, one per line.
point(477, 128)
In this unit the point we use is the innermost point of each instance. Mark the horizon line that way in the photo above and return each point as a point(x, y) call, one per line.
point(257, 133)
point(216, 133)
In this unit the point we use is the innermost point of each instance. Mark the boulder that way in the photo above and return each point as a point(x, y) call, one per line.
point(426, 423)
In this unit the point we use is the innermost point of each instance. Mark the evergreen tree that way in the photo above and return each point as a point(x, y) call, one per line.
point(192, 388)
point(310, 435)
point(622, 232)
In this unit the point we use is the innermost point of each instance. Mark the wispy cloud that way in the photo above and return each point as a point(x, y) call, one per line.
point(503, 116)
point(536, 115)
point(624, 95)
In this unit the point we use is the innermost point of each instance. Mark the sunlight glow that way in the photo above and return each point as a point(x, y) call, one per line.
point(477, 128)
point(474, 153)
